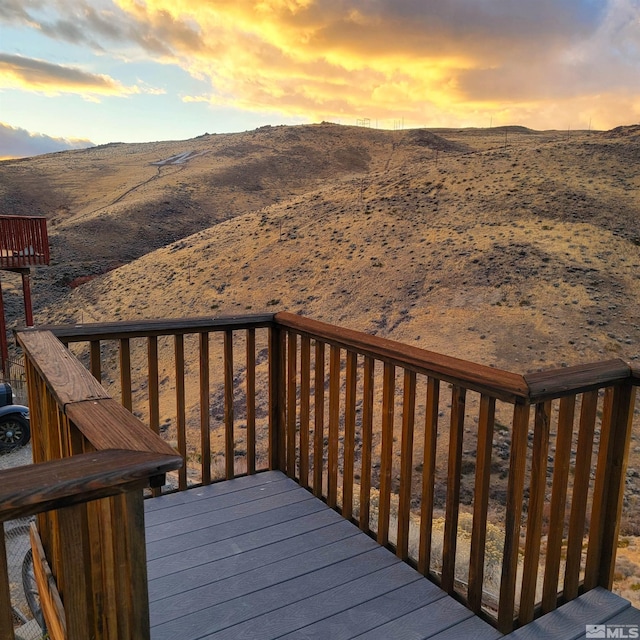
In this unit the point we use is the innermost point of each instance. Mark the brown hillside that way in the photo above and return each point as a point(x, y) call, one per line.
point(511, 247)
point(506, 246)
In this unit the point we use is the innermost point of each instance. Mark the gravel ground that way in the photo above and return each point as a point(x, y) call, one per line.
point(16, 458)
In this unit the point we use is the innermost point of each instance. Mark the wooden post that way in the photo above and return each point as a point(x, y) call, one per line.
point(609, 489)
point(26, 294)
point(276, 399)
point(515, 493)
point(4, 347)
point(6, 619)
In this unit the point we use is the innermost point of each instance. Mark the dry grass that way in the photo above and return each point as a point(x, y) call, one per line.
point(523, 256)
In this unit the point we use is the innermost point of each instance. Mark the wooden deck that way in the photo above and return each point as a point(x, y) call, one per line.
point(260, 557)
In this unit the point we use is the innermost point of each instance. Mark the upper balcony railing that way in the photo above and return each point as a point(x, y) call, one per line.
point(23, 242)
point(504, 489)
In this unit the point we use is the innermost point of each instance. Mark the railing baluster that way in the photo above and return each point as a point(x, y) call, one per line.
point(229, 441)
point(581, 479)
point(367, 444)
point(406, 463)
point(388, 399)
point(349, 434)
point(456, 435)
point(537, 492)
point(428, 474)
point(305, 411)
point(615, 432)
point(154, 389)
point(334, 425)
point(125, 373)
point(558, 503)
point(181, 409)
point(481, 501)
point(75, 559)
point(515, 492)
point(95, 364)
point(292, 389)
point(277, 399)
point(318, 428)
point(205, 407)
point(251, 401)
point(6, 617)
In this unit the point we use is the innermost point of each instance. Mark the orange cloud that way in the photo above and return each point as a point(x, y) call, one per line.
point(454, 63)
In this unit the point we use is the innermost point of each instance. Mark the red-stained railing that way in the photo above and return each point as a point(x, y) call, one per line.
point(23, 242)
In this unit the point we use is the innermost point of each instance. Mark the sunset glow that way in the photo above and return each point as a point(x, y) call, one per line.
point(135, 70)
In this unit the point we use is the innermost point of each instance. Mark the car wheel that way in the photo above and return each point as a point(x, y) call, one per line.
point(14, 432)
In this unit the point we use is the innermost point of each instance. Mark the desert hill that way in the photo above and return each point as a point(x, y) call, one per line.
point(506, 246)
point(512, 247)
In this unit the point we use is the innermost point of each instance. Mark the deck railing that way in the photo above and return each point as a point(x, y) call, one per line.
point(93, 460)
point(504, 489)
point(23, 241)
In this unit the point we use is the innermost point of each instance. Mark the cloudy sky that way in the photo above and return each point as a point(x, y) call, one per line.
point(75, 72)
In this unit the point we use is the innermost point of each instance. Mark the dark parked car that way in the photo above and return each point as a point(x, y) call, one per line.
point(15, 430)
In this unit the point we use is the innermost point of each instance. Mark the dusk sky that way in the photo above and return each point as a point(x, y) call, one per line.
point(76, 72)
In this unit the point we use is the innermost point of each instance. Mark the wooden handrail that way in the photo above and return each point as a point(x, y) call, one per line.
point(94, 458)
point(66, 378)
point(146, 328)
point(339, 390)
point(500, 384)
point(557, 383)
point(32, 489)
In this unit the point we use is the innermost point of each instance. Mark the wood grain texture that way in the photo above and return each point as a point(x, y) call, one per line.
point(349, 434)
point(617, 458)
point(52, 608)
point(292, 393)
point(515, 492)
point(406, 463)
point(486, 421)
point(106, 424)
point(205, 407)
point(428, 474)
point(277, 399)
point(305, 409)
point(6, 618)
point(367, 442)
point(229, 409)
point(386, 453)
point(334, 425)
point(50, 485)
point(251, 402)
point(150, 327)
point(63, 374)
point(456, 435)
point(74, 580)
point(578, 379)
point(577, 518)
point(537, 494)
point(318, 418)
point(125, 373)
point(558, 505)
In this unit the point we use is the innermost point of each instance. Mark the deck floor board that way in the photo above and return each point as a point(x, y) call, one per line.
point(261, 558)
